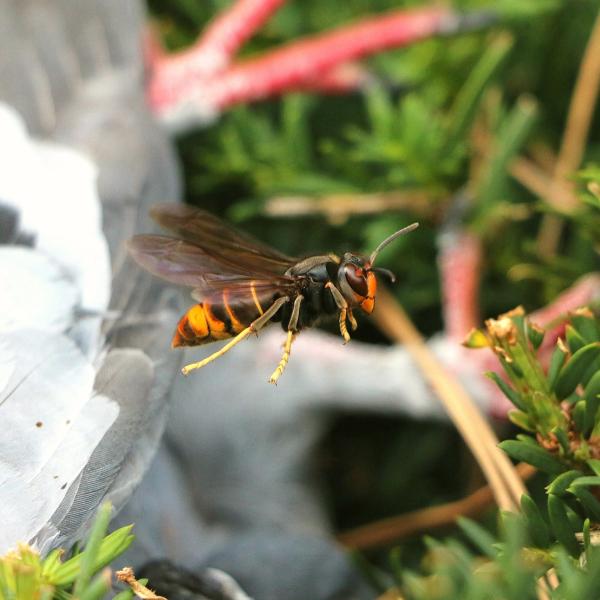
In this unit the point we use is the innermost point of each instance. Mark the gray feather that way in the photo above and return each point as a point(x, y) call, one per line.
point(125, 377)
point(51, 426)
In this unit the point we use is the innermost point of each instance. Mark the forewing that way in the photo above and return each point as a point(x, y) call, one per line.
point(184, 263)
point(217, 237)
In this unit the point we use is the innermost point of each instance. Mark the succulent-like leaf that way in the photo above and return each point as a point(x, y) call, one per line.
point(586, 481)
point(557, 360)
point(589, 502)
point(521, 419)
point(586, 325)
point(479, 536)
point(560, 484)
point(538, 528)
point(594, 465)
point(535, 334)
point(507, 390)
point(572, 373)
point(574, 339)
point(561, 525)
point(578, 415)
point(592, 401)
point(533, 455)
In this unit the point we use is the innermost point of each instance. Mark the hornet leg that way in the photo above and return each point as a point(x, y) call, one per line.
point(291, 334)
point(252, 328)
point(352, 320)
point(343, 306)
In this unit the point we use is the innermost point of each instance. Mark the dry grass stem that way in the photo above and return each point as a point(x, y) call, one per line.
point(539, 183)
point(504, 481)
point(388, 531)
point(579, 118)
point(392, 594)
point(337, 208)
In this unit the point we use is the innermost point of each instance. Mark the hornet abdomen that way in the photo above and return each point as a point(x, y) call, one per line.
point(218, 320)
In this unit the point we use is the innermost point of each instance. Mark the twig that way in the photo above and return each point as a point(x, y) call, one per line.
point(345, 78)
point(475, 430)
point(194, 86)
point(303, 60)
point(221, 39)
point(531, 176)
point(459, 263)
point(391, 594)
point(579, 118)
point(388, 531)
point(126, 575)
point(339, 207)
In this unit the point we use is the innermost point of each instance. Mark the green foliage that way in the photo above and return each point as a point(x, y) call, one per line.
point(25, 575)
point(559, 405)
point(549, 542)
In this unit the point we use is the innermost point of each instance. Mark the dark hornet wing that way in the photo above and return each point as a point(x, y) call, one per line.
point(184, 263)
point(219, 239)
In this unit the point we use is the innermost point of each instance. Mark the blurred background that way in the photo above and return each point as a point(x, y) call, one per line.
point(477, 119)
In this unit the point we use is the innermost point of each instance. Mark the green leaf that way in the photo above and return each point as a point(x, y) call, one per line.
point(535, 334)
point(572, 373)
point(561, 483)
point(124, 595)
point(533, 455)
point(561, 526)
point(574, 340)
point(563, 439)
point(98, 587)
point(90, 554)
point(381, 112)
point(511, 137)
point(52, 562)
point(128, 593)
point(587, 541)
point(479, 536)
point(592, 401)
point(506, 389)
point(590, 372)
point(469, 96)
point(112, 546)
point(586, 481)
point(25, 583)
point(538, 528)
point(556, 362)
point(521, 419)
point(578, 415)
point(527, 439)
point(586, 325)
point(588, 501)
point(594, 465)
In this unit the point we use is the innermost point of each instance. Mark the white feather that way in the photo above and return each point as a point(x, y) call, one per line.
point(54, 189)
point(34, 279)
point(51, 425)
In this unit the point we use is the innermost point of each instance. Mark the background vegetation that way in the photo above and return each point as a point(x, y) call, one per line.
point(444, 123)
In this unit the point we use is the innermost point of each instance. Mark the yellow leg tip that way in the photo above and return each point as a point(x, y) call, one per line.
point(189, 368)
